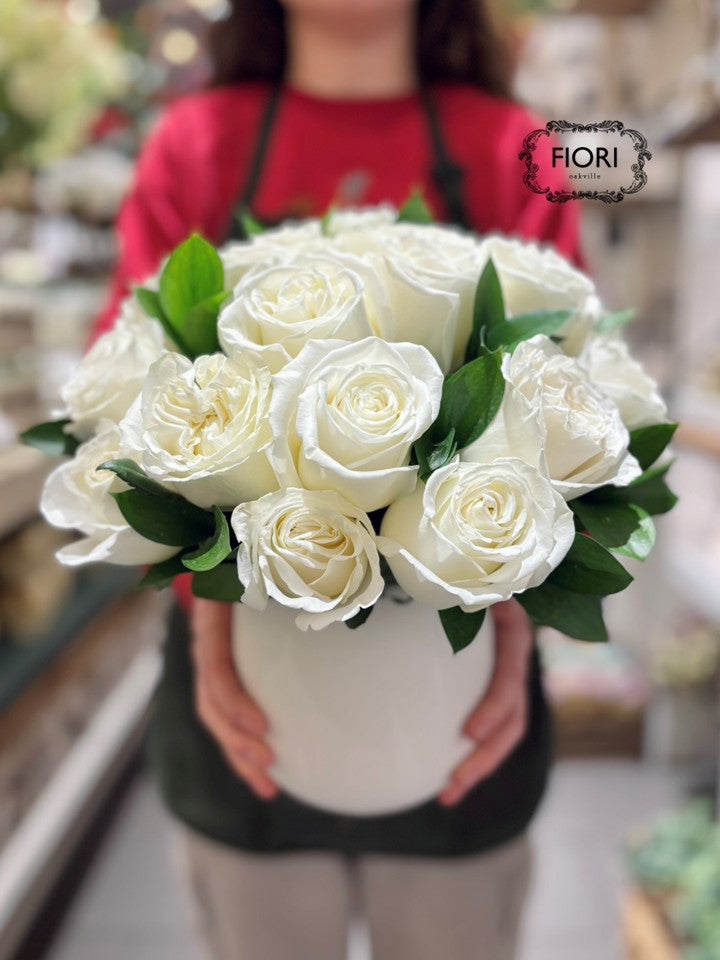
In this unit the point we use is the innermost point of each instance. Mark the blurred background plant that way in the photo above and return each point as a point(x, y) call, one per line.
point(58, 69)
point(676, 861)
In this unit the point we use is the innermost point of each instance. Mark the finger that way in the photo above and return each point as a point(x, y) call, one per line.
point(234, 701)
point(214, 664)
point(513, 643)
point(494, 710)
point(485, 759)
point(231, 738)
point(260, 784)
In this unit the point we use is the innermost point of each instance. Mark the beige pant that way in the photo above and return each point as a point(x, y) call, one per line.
point(298, 906)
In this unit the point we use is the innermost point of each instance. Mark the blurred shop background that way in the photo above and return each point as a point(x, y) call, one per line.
point(628, 845)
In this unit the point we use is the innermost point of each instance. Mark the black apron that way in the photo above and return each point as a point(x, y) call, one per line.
point(203, 792)
point(446, 174)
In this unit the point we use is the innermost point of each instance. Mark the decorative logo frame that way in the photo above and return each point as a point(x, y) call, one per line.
point(532, 168)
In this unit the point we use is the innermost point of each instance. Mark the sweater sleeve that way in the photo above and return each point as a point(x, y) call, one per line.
point(154, 217)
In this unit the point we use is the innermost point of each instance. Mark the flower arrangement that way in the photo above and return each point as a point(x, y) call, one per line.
point(55, 73)
point(365, 399)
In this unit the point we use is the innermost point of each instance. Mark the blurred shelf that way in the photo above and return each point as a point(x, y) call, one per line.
point(698, 411)
point(702, 128)
point(699, 437)
point(646, 934)
point(22, 474)
point(31, 863)
point(696, 576)
point(65, 741)
point(607, 8)
point(21, 662)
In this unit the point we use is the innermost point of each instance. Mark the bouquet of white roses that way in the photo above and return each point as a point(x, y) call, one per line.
point(366, 399)
point(55, 73)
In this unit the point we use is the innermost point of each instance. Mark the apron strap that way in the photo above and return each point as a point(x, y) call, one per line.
point(236, 230)
point(447, 174)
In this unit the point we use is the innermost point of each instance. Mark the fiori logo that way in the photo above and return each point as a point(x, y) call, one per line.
point(584, 156)
point(607, 153)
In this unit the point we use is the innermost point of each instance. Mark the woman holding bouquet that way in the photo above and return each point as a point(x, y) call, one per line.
point(321, 102)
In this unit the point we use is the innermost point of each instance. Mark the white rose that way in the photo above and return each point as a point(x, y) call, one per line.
point(349, 219)
point(345, 416)
point(586, 442)
point(276, 311)
point(516, 431)
point(309, 550)
point(203, 428)
point(612, 368)
point(476, 533)
point(111, 374)
point(433, 273)
point(77, 496)
point(270, 247)
point(538, 278)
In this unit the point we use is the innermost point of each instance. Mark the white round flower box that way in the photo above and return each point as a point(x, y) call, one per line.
point(365, 721)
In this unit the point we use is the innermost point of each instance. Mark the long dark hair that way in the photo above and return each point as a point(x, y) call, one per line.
point(456, 42)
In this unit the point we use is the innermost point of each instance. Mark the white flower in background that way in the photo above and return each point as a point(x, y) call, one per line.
point(475, 534)
point(278, 246)
point(538, 278)
point(56, 73)
point(586, 442)
point(111, 374)
point(77, 496)
point(275, 312)
point(516, 431)
point(345, 416)
point(612, 369)
point(432, 275)
point(309, 550)
point(348, 219)
point(203, 428)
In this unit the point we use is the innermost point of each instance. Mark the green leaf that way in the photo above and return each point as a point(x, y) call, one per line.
point(611, 522)
point(488, 310)
point(415, 210)
point(172, 521)
point(589, 568)
point(162, 574)
point(650, 491)
point(461, 628)
point(470, 399)
point(642, 540)
point(221, 583)
point(51, 438)
point(613, 321)
point(214, 550)
point(248, 222)
point(647, 443)
point(325, 220)
point(431, 456)
point(192, 274)
point(442, 452)
point(360, 617)
point(134, 476)
point(508, 334)
point(576, 615)
point(149, 300)
point(200, 325)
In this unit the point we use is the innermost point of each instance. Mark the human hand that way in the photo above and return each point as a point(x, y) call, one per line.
point(224, 707)
point(498, 722)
